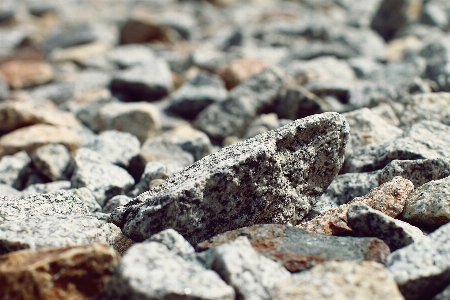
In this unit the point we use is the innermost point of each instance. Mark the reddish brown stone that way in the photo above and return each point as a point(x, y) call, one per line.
point(59, 273)
point(389, 198)
point(298, 250)
point(21, 74)
point(240, 70)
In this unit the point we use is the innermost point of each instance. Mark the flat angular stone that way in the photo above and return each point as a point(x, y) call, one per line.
point(171, 277)
point(32, 137)
point(422, 269)
point(419, 171)
point(263, 178)
point(429, 204)
point(13, 167)
point(52, 161)
point(245, 102)
point(340, 280)
point(140, 119)
point(233, 260)
point(366, 221)
point(104, 179)
point(389, 198)
point(150, 81)
point(298, 250)
point(58, 273)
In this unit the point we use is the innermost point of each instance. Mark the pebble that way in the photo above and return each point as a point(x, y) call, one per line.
point(52, 161)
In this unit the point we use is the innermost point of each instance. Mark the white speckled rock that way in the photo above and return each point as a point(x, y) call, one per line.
point(171, 277)
point(429, 205)
point(272, 178)
point(52, 161)
point(12, 167)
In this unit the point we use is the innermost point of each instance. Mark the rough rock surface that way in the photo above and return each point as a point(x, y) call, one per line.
point(12, 167)
point(52, 161)
point(57, 273)
point(261, 176)
point(389, 198)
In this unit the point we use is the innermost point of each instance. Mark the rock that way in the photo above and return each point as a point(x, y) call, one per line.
point(127, 56)
point(143, 30)
point(326, 281)
point(367, 128)
point(234, 259)
point(240, 70)
point(419, 171)
point(57, 92)
point(114, 202)
point(394, 15)
point(45, 188)
point(52, 161)
point(428, 205)
point(74, 36)
point(421, 269)
point(423, 140)
point(23, 74)
point(116, 240)
point(79, 54)
point(12, 169)
point(232, 116)
point(11, 38)
point(140, 119)
point(66, 273)
point(386, 111)
point(88, 198)
point(389, 198)
point(443, 295)
point(298, 250)
point(174, 241)
point(32, 137)
point(197, 93)
point(150, 81)
point(428, 106)
point(366, 221)
point(115, 146)
point(212, 60)
point(93, 171)
point(8, 191)
point(194, 201)
point(437, 55)
point(4, 89)
point(263, 123)
point(343, 189)
point(171, 275)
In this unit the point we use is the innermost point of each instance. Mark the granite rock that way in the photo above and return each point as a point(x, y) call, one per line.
point(114, 202)
point(9, 191)
point(45, 188)
point(174, 241)
point(240, 70)
point(13, 167)
point(194, 202)
point(127, 56)
point(52, 161)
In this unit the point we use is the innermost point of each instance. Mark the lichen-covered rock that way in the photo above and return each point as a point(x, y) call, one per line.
point(389, 198)
point(298, 250)
point(422, 269)
point(272, 178)
point(429, 205)
point(57, 273)
point(340, 280)
point(419, 171)
point(151, 271)
point(366, 221)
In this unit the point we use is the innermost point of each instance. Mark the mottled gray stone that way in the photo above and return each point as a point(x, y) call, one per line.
point(9, 191)
point(114, 202)
point(367, 128)
point(366, 221)
point(244, 103)
point(149, 81)
point(250, 274)
point(197, 93)
point(423, 140)
point(104, 179)
point(52, 161)
point(429, 106)
point(87, 114)
point(422, 269)
point(343, 189)
point(68, 37)
point(174, 241)
point(46, 188)
point(262, 123)
point(363, 66)
point(115, 146)
point(171, 277)
point(429, 204)
point(263, 178)
point(419, 171)
point(58, 92)
point(13, 167)
point(156, 170)
point(127, 56)
point(437, 55)
point(386, 111)
point(88, 198)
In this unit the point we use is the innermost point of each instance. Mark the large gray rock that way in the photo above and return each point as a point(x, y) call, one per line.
point(366, 221)
point(422, 269)
point(419, 171)
point(13, 167)
point(272, 178)
point(171, 277)
point(245, 102)
point(250, 274)
point(429, 205)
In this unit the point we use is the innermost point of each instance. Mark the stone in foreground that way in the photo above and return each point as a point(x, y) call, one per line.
point(57, 273)
point(272, 178)
point(150, 270)
point(362, 280)
point(299, 250)
point(422, 269)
